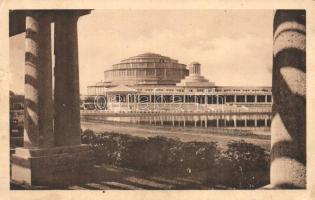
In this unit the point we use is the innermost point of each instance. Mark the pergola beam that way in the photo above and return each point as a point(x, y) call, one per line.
point(17, 18)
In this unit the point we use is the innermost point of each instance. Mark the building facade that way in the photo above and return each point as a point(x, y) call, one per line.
point(151, 82)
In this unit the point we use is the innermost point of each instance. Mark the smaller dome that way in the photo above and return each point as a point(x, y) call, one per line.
point(194, 79)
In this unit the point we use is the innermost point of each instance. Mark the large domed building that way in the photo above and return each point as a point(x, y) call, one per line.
point(154, 82)
point(146, 69)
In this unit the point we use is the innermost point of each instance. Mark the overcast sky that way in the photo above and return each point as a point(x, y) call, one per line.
point(234, 47)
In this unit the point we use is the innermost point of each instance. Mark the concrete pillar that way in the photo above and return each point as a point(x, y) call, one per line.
point(288, 127)
point(127, 98)
point(67, 116)
point(40, 162)
point(38, 83)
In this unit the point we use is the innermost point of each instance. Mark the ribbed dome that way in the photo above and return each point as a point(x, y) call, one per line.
point(146, 69)
point(147, 57)
point(148, 54)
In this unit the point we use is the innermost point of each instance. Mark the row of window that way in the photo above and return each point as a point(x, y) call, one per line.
point(140, 60)
point(144, 65)
point(242, 90)
point(243, 123)
point(198, 90)
point(200, 99)
point(146, 72)
point(226, 123)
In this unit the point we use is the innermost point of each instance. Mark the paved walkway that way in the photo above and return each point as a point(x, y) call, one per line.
point(105, 177)
point(112, 178)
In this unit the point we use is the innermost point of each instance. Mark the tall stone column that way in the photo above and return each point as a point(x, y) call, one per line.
point(52, 154)
point(38, 122)
point(288, 127)
point(67, 98)
point(38, 82)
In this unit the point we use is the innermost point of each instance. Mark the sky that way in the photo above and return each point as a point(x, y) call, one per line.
point(234, 47)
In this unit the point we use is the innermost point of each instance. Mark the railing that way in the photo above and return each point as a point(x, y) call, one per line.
point(187, 109)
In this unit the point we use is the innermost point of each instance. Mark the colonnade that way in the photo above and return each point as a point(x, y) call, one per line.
point(204, 121)
point(201, 99)
point(52, 152)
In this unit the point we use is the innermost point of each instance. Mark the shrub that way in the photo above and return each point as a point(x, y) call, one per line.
point(197, 156)
point(243, 165)
point(87, 136)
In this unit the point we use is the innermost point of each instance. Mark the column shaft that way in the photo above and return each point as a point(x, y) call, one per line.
point(288, 128)
point(67, 100)
point(38, 82)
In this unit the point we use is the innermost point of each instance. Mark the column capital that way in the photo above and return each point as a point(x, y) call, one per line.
point(17, 24)
point(66, 17)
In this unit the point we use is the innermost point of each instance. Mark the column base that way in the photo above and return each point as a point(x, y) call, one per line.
point(52, 167)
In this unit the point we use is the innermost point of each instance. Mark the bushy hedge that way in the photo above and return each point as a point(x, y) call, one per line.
point(242, 165)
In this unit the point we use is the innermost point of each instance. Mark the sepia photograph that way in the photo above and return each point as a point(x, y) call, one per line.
point(157, 99)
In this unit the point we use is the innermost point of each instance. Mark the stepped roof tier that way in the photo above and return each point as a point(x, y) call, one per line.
point(195, 79)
